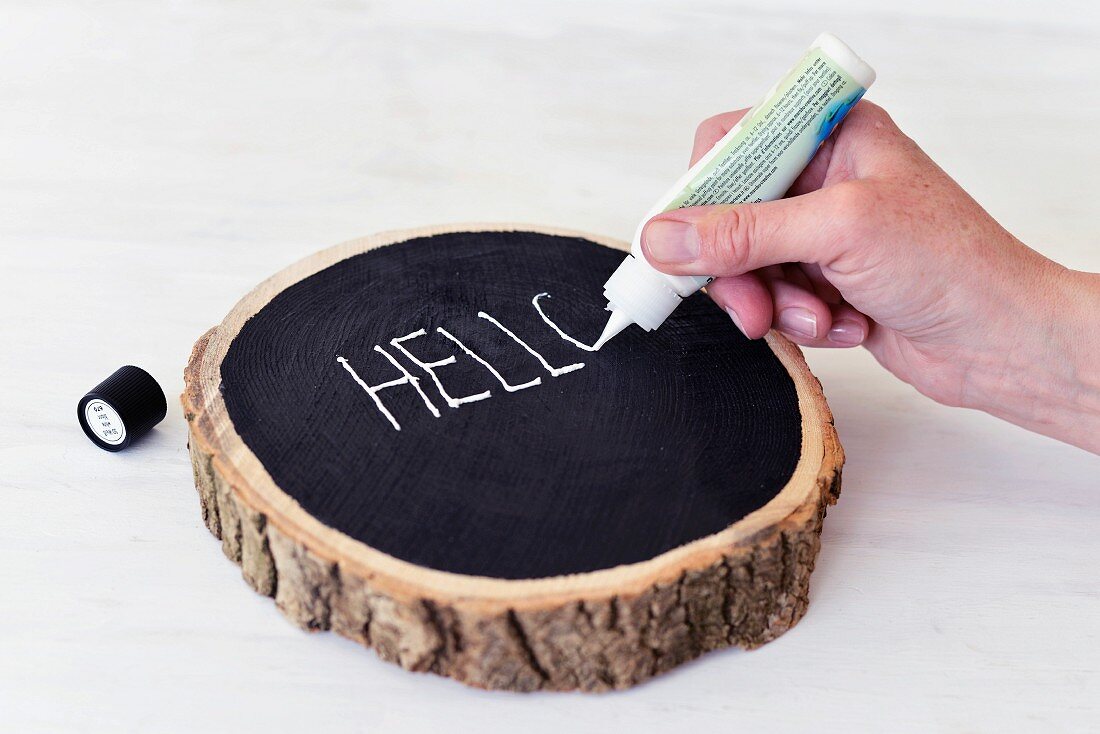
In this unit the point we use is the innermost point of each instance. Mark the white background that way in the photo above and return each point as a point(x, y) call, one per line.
point(159, 159)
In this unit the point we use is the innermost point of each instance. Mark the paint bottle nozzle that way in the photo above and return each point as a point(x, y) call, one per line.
point(636, 294)
point(618, 321)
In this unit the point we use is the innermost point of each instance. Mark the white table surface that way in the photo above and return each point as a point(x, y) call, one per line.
point(159, 159)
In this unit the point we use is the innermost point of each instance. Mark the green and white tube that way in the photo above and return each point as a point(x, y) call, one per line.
point(757, 160)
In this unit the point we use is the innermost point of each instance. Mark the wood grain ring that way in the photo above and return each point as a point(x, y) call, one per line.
point(612, 628)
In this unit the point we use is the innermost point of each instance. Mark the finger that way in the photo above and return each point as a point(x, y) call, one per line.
point(849, 328)
point(820, 284)
point(747, 301)
point(734, 239)
point(713, 129)
point(813, 177)
point(799, 313)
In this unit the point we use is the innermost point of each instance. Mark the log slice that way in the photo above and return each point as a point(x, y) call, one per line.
point(587, 531)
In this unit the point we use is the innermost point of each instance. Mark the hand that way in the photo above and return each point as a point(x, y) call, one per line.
point(876, 245)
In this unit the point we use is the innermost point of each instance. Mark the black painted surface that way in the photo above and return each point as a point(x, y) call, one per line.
point(661, 439)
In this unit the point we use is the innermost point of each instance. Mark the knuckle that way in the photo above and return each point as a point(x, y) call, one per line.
point(708, 128)
point(713, 121)
point(729, 238)
point(874, 116)
point(873, 123)
point(874, 113)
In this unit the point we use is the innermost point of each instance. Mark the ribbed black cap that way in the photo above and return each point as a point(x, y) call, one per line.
point(122, 408)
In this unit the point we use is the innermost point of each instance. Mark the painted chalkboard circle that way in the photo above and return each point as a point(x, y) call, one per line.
point(404, 439)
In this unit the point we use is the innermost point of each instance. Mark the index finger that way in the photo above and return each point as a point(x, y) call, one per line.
point(713, 129)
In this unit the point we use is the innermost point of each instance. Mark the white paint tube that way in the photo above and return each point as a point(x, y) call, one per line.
point(757, 160)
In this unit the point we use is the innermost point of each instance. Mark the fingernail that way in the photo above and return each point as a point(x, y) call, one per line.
point(798, 321)
point(736, 321)
point(846, 333)
point(671, 242)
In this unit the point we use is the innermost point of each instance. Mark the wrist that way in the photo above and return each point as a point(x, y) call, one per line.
point(1082, 340)
point(1050, 381)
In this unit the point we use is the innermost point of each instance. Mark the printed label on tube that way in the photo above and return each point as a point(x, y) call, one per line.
point(794, 122)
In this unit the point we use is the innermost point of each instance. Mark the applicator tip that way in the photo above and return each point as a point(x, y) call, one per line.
point(618, 321)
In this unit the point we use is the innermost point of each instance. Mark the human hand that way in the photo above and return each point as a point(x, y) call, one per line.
point(876, 245)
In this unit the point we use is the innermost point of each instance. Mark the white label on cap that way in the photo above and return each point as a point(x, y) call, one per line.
point(104, 422)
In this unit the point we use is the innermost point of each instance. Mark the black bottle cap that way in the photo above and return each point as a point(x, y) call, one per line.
point(122, 408)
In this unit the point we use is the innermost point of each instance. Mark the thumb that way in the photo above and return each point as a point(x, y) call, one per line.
point(733, 239)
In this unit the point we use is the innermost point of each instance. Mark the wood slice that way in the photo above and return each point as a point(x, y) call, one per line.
point(504, 516)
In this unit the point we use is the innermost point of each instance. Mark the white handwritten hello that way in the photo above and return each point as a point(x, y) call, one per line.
point(408, 378)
